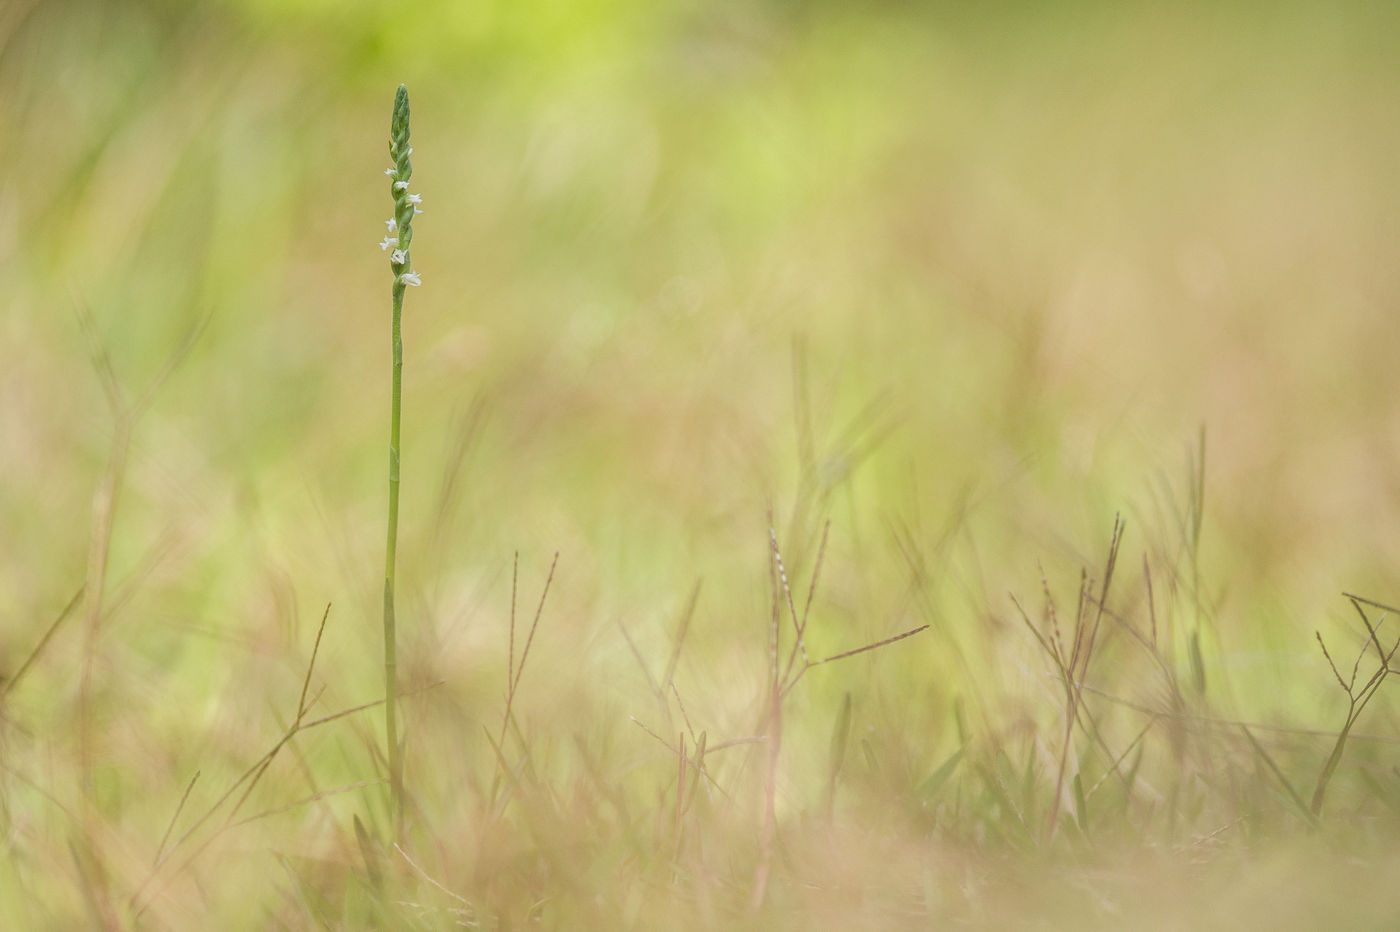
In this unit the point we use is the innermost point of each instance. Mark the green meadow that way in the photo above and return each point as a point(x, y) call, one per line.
point(863, 465)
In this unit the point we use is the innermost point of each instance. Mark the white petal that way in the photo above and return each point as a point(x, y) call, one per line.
point(389, 241)
point(414, 198)
point(400, 185)
point(397, 257)
point(390, 171)
point(392, 224)
point(411, 278)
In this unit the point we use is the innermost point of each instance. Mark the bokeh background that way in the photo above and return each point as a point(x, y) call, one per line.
point(968, 280)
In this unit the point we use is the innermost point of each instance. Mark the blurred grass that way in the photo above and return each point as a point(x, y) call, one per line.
point(965, 278)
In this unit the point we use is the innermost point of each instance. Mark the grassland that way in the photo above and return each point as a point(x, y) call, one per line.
point(958, 287)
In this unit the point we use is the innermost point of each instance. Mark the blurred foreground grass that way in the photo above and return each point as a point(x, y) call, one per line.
point(967, 280)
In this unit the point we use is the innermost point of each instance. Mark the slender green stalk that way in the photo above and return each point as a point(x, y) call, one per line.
point(399, 237)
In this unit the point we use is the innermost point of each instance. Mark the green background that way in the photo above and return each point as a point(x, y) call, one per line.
point(968, 280)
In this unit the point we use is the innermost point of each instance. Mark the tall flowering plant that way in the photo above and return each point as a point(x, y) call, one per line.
point(399, 238)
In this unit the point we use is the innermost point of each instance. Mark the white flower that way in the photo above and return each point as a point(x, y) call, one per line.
point(389, 241)
point(410, 278)
point(392, 224)
point(417, 210)
point(390, 171)
point(397, 257)
point(414, 198)
point(400, 185)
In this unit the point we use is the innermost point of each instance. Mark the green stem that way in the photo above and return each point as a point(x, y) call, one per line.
point(391, 725)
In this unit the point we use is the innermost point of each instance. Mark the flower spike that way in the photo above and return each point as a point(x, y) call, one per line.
point(405, 204)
